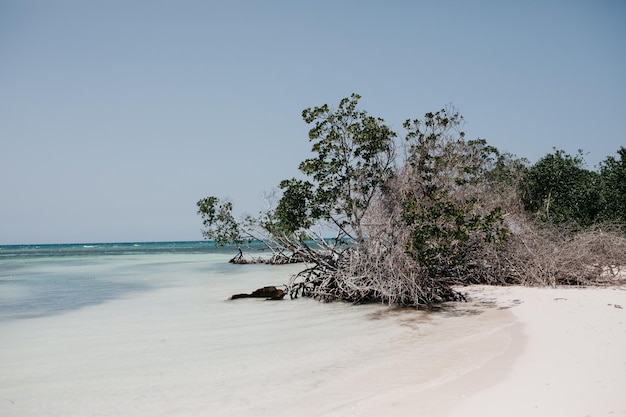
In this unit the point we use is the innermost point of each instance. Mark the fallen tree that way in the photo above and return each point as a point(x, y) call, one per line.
point(404, 224)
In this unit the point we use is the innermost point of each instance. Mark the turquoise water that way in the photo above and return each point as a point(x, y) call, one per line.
point(39, 280)
point(100, 249)
point(147, 329)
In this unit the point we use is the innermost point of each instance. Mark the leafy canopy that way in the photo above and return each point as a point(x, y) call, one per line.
point(219, 222)
point(445, 180)
point(558, 189)
point(353, 158)
point(613, 187)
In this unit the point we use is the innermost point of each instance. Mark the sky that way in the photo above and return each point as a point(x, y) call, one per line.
point(117, 116)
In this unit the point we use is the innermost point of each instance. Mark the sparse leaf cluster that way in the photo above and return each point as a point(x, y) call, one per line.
point(219, 222)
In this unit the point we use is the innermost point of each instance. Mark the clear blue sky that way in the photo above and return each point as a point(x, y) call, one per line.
point(117, 116)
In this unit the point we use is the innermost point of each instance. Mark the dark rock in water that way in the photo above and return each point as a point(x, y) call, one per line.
point(236, 296)
point(278, 295)
point(269, 293)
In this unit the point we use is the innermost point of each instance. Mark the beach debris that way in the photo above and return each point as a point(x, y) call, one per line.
point(278, 258)
point(241, 259)
point(269, 293)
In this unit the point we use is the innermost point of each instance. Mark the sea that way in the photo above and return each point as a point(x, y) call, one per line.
point(148, 329)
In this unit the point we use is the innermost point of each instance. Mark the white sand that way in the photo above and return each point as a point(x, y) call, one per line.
point(566, 357)
point(573, 361)
point(175, 352)
point(510, 352)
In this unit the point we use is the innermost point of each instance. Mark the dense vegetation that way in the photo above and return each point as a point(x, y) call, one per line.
point(412, 219)
point(558, 189)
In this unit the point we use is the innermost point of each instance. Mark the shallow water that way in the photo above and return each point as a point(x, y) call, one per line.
point(153, 333)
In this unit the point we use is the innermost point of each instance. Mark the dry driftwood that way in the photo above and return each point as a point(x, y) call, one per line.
point(560, 256)
point(532, 256)
point(277, 258)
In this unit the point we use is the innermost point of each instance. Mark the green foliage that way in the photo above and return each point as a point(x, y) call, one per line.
point(507, 170)
point(442, 208)
point(613, 187)
point(406, 233)
point(437, 150)
point(295, 210)
point(558, 189)
point(219, 222)
point(442, 231)
point(353, 158)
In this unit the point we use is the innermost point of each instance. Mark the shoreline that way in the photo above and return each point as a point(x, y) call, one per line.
point(572, 362)
point(465, 367)
point(515, 351)
point(565, 356)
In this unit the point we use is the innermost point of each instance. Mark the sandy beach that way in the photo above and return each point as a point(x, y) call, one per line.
point(566, 357)
point(572, 362)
